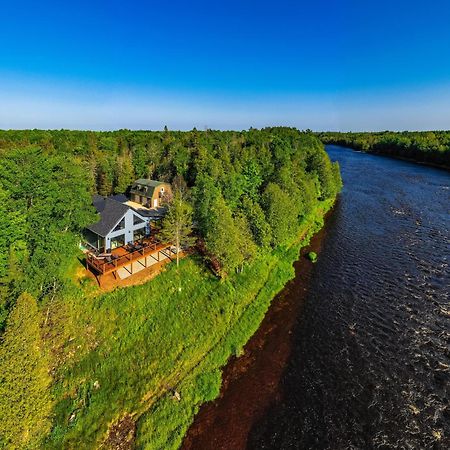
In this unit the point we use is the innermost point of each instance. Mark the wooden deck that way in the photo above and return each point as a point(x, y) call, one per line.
point(126, 260)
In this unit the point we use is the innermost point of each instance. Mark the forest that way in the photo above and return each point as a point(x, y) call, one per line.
point(431, 147)
point(74, 360)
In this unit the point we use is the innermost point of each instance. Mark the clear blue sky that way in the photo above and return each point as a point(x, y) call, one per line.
point(231, 64)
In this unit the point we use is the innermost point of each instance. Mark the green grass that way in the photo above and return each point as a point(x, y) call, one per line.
point(125, 352)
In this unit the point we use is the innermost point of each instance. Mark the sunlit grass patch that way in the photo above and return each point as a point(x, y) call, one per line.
point(154, 352)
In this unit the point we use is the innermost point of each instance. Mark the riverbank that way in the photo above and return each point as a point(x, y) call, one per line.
point(429, 148)
point(251, 382)
point(404, 158)
point(390, 155)
point(133, 366)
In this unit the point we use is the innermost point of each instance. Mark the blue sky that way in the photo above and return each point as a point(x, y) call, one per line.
point(348, 65)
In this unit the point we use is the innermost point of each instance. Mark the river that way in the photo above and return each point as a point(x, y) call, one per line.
point(355, 352)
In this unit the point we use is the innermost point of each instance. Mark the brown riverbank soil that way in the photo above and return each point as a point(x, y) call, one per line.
point(252, 382)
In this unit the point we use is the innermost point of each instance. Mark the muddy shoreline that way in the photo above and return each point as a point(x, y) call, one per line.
point(251, 383)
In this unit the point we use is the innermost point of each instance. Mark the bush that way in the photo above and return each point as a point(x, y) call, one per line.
point(312, 256)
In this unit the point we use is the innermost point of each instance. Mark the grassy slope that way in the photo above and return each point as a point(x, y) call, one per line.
point(125, 351)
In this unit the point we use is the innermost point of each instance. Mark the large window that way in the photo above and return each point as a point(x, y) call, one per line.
point(94, 240)
point(137, 220)
point(117, 241)
point(120, 225)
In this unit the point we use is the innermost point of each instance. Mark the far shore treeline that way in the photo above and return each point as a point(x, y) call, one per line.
point(431, 147)
point(82, 368)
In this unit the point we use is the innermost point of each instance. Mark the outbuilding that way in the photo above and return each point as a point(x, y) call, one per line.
point(150, 193)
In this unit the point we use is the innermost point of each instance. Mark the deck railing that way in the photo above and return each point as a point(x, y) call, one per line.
point(109, 262)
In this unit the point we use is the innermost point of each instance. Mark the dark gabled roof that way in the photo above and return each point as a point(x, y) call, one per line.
point(122, 198)
point(99, 202)
point(111, 212)
point(145, 187)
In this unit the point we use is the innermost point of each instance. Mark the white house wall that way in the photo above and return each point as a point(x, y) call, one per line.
point(129, 228)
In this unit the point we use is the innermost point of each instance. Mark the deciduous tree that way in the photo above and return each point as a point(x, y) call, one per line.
point(177, 224)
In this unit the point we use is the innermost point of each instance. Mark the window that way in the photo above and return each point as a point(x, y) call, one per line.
point(137, 220)
point(120, 225)
point(94, 240)
point(118, 241)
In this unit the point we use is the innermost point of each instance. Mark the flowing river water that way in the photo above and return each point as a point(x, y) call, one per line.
point(355, 352)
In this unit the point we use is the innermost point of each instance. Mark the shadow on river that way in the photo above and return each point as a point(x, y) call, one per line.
point(355, 351)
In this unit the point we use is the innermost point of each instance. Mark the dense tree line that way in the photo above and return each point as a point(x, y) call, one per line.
point(248, 191)
point(422, 146)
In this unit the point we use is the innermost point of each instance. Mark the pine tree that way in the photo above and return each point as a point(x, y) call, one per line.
point(25, 402)
point(223, 238)
point(124, 173)
point(281, 213)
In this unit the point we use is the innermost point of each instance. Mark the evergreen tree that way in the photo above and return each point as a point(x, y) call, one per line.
point(205, 193)
point(281, 214)
point(247, 246)
point(25, 401)
point(104, 178)
point(177, 224)
point(223, 238)
point(124, 173)
point(261, 231)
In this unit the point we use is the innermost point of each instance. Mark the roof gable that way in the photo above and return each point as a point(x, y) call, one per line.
point(111, 212)
point(148, 182)
point(145, 187)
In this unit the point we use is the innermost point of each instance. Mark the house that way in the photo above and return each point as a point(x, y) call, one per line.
point(119, 224)
point(123, 221)
point(150, 193)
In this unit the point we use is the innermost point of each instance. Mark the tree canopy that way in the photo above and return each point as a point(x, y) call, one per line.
point(247, 190)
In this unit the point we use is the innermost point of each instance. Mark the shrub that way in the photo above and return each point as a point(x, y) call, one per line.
point(312, 256)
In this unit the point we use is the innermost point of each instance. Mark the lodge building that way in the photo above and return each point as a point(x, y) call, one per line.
point(124, 220)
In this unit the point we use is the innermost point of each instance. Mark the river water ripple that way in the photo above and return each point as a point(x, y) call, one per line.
point(370, 362)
